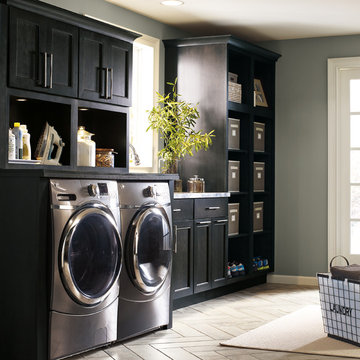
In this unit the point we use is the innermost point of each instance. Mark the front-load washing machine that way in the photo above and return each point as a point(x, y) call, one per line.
point(86, 263)
point(144, 300)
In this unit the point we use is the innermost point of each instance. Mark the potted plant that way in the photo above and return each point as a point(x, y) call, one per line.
point(175, 120)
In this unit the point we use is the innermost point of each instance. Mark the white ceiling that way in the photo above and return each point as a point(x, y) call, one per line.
point(255, 20)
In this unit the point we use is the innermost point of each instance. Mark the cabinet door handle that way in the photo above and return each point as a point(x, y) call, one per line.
point(110, 71)
point(45, 69)
point(177, 210)
point(106, 83)
point(204, 222)
point(213, 208)
point(222, 221)
point(51, 70)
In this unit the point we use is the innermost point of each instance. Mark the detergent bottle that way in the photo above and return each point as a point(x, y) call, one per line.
point(26, 142)
point(18, 141)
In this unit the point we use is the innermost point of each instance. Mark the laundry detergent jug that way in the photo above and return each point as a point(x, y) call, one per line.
point(86, 148)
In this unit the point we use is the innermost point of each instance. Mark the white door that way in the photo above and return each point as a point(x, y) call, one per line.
point(344, 159)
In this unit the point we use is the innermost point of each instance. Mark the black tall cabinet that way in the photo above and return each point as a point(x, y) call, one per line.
point(202, 66)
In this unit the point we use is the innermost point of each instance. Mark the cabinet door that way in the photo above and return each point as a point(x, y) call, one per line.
point(119, 65)
point(43, 54)
point(182, 273)
point(27, 48)
point(105, 65)
point(219, 251)
point(62, 57)
point(91, 66)
point(202, 255)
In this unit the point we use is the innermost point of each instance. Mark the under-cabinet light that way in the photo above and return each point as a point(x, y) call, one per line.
point(21, 99)
point(83, 109)
point(172, 2)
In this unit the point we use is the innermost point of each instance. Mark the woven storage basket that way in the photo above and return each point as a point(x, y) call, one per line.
point(235, 92)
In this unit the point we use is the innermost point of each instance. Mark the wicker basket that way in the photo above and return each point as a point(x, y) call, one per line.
point(235, 92)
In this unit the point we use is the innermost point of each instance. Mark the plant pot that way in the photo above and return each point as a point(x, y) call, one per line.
point(172, 167)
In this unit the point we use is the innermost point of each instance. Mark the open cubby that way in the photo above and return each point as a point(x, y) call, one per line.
point(35, 113)
point(109, 129)
point(239, 251)
point(263, 248)
point(264, 71)
point(240, 64)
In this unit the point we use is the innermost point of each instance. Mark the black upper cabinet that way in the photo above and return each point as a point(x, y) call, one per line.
point(105, 68)
point(43, 54)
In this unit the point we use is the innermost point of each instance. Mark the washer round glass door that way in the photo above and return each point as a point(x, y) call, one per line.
point(90, 254)
point(149, 248)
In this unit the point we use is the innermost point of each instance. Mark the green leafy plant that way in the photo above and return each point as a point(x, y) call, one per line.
point(175, 120)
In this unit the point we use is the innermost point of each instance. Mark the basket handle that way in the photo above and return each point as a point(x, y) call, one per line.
point(347, 261)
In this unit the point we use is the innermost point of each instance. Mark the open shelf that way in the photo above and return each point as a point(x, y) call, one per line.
point(238, 107)
point(109, 129)
point(35, 114)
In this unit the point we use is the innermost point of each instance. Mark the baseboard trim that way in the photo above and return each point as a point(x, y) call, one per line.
point(293, 280)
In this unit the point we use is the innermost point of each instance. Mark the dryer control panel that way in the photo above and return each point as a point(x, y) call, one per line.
point(137, 193)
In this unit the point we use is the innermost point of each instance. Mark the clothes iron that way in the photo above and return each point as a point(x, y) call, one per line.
point(46, 146)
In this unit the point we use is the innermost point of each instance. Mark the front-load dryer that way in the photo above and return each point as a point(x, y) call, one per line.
point(86, 264)
point(144, 300)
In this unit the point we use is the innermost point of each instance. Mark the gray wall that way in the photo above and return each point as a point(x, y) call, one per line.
point(124, 18)
point(301, 150)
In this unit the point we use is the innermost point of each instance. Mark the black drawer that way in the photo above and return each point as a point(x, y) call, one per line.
point(182, 209)
point(215, 207)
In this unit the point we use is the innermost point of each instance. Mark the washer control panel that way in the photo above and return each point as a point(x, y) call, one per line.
point(76, 191)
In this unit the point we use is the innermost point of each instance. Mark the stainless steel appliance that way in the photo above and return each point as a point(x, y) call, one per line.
point(144, 301)
point(86, 263)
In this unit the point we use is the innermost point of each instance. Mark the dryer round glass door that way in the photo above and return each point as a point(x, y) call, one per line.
point(149, 249)
point(90, 254)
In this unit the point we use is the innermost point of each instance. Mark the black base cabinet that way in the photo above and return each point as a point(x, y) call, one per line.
point(183, 258)
point(200, 259)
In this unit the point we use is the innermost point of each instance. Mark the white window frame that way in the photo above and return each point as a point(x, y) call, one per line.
point(155, 44)
point(337, 132)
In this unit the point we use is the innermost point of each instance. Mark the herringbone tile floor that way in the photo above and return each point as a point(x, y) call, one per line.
point(198, 329)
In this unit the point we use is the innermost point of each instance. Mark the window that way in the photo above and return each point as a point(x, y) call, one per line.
point(344, 158)
point(143, 148)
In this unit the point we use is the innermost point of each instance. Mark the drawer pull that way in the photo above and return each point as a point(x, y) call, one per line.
point(204, 222)
point(213, 208)
point(222, 221)
point(176, 210)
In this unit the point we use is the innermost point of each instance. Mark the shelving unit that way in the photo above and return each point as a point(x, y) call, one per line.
point(201, 66)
